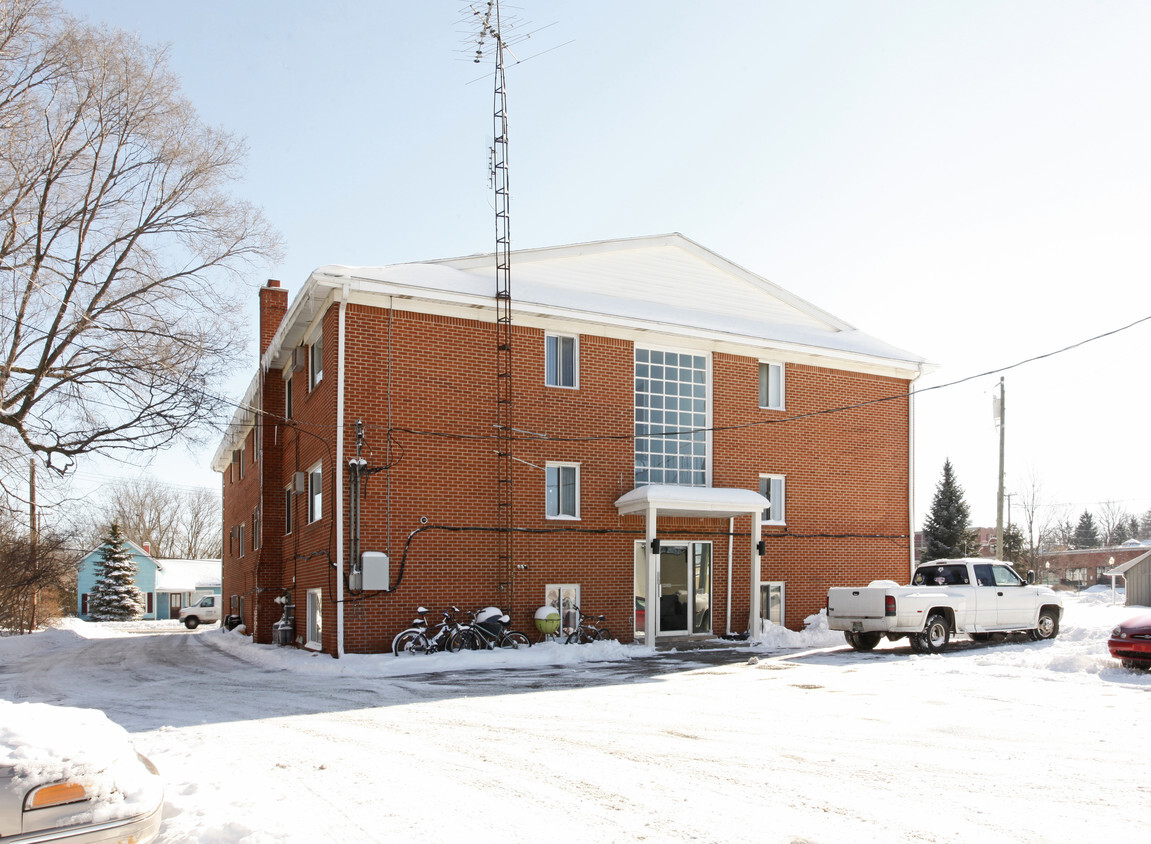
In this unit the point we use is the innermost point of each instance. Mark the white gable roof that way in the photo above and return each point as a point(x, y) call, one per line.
point(663, 283)
point(188, 575)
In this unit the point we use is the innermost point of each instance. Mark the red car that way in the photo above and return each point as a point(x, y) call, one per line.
point(1130, 642)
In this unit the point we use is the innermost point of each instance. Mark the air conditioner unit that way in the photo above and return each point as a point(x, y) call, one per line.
point(376, 571)
point(300, 482)
point(299, 358)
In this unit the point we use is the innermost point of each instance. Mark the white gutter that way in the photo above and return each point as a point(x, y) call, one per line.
point(338, 509)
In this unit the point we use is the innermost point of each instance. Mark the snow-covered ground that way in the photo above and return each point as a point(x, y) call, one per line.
point(796, 740)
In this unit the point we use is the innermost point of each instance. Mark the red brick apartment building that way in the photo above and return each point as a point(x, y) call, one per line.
point(694, 448)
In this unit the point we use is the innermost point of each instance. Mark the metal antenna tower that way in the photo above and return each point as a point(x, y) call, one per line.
point(491, 30)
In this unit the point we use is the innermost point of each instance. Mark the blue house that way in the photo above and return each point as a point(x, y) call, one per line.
point(168, 585)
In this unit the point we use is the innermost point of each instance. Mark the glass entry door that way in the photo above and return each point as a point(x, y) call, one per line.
point(683, 604)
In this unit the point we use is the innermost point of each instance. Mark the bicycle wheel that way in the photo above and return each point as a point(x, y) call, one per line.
point(603, 635)
point(514, 639)
point(410, 642)
point(577, 637)
point(462, 640)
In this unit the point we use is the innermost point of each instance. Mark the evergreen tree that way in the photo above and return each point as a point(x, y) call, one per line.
point(1013, 543)
point(1086, 535)
point(115, 597)
point(947, 530)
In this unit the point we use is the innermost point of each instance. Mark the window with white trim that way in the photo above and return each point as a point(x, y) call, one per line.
point(562, 361)
point(771, 487)
point(315, 620)
point(288, 397)
point(315, 492)
point(288, 497)
point(771, 385)
point(671, 418)
point(240, 536)
point(316, 362)
point(240, 462)
point(562, 493)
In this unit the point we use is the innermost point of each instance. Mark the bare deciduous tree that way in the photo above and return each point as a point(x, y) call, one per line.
point(1111, 518)
point(37, 579)
point(120, 247)
point(180, 523)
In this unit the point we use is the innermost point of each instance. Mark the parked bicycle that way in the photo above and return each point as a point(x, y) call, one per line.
point(417, 639)
point(589, 629)
point(487, 630)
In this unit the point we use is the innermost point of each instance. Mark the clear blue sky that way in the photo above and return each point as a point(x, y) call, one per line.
point(968, 181)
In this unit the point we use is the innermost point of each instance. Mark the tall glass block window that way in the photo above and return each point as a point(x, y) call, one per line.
point(671, 415)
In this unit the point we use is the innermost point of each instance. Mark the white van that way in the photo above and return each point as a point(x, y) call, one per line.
point(204, 611)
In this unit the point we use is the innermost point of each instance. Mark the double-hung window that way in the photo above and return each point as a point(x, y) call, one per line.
point(771, 487)
point(288, 397)
point(771, 385)
point(315, 492)
point(288, 497)
point(240, 536)
point(316, 362)
point(562, 490)
point(562, 361)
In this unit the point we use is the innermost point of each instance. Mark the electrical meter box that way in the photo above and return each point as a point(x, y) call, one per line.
point(377, 571)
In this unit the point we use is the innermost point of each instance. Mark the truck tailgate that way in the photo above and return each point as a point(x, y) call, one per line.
point(864, 602)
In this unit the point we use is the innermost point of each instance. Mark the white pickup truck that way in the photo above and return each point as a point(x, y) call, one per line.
point(978, 597)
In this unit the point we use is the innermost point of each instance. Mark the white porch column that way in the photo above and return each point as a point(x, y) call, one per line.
point(753, 604)
point(651, 602)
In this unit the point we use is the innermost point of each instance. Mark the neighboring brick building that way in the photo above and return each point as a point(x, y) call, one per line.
point(791, 437)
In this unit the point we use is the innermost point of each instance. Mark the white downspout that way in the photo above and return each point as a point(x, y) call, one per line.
point(651, 605)
point(338, 509)
point(753, 631)
point(730, 548)
point(911, 479)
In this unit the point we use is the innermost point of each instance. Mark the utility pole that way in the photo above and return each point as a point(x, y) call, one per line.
point(1000, 417)
point(33, 538)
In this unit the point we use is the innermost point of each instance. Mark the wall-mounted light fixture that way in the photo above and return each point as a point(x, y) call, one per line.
point(655, 545)
point(761, 547)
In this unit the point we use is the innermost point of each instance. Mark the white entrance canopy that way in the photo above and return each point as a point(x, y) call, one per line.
point(693, 502)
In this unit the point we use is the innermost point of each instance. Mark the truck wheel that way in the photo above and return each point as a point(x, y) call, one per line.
point(935, 635)
point(191, 622)
point(1048, 627)
point(863, 642)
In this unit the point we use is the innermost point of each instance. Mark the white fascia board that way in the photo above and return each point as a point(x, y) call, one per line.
point(243, 420)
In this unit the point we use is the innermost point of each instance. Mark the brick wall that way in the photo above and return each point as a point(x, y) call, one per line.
point(433, 377)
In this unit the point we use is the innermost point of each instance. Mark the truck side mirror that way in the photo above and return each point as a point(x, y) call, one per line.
point(1030, 576)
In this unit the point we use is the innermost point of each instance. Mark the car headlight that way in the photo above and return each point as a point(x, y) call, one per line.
point(1118, 633)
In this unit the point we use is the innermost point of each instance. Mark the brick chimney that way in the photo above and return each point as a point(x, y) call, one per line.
point(273, 306)
point(148, 548)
